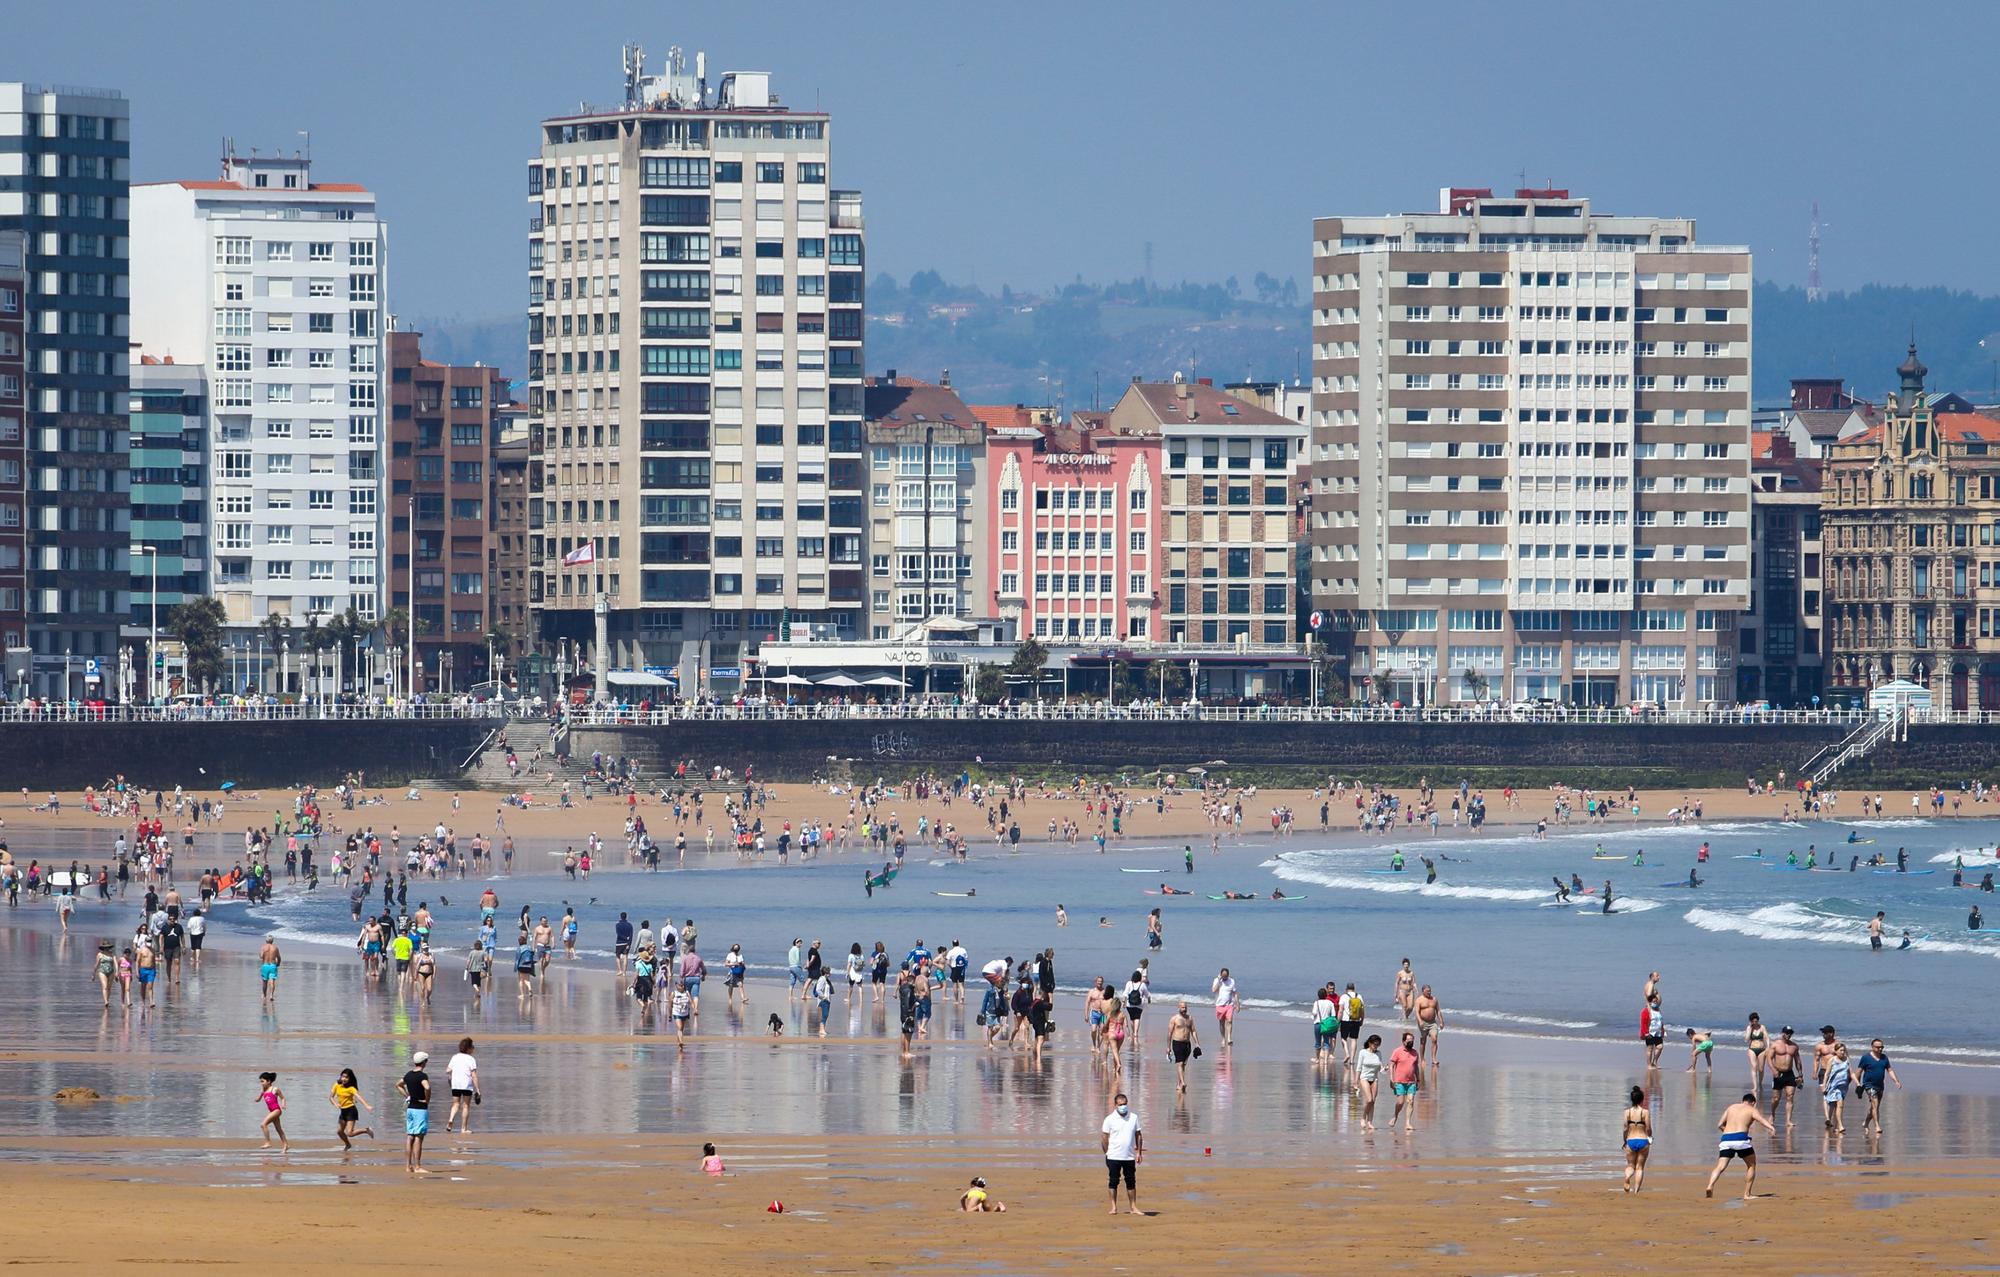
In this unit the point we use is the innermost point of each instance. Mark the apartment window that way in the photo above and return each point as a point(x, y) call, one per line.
point(361, 252)
point(232, 321)
point(232, 250)
point(771, 171)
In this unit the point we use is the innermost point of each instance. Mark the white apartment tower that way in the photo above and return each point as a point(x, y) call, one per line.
point(695, 378)
point(275, 282)
point(1530, 469)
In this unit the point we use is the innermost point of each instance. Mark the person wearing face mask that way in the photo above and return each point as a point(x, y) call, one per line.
point(1124, 1146)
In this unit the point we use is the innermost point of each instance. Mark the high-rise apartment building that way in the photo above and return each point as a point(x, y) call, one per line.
point(695, 373)
point(1530, 452)
point(13, 442)
point(276, 283)
point(1229, 532)
point(926, 503)
point(170, 503)
point(1780, 652)
point(64, 155)
point(440, 516)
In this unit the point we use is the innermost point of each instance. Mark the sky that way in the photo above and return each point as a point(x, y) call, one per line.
point(1033, 143)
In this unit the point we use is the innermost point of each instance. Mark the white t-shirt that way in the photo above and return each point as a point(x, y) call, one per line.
point(1350, 1007)
point(1322, 1010)
point(197, 925)
point(460, 1070)
point(1124, 1133)
point(1368, 1064)
point(1225, 991)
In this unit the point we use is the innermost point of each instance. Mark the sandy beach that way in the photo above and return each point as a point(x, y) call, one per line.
point(589, 1141)
point(880, 1206)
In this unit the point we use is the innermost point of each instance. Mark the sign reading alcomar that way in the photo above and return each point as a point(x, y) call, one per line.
point(1075, 459)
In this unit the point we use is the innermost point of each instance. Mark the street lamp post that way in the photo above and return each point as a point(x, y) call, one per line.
point(284, 666)
point(1194, 681)
point(152, 552)
point(66, 685)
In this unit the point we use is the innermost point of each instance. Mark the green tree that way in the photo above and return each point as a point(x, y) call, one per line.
point(197, 623)
point(1385, 686)
point(1029, 658)
point(1167, 680)
point(990, 683)
point(1475, 683)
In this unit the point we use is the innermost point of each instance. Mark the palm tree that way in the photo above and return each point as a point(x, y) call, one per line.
point(313, 639)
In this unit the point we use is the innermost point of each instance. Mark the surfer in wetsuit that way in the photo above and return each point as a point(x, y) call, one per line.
point(1693, 879)
point(1902, 860)
point(1430, 870)
point(868, 882)
point(1607, 895)
point(1562, 892)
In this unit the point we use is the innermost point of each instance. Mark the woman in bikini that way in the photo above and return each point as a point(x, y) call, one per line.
point(273, 1101)
point(1756, 1041)
point(1638, 1121)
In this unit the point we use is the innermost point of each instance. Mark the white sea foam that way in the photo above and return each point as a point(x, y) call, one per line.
point(1294, 867)
point(1907, 822)
point(1804, 922)
point(1975, 857)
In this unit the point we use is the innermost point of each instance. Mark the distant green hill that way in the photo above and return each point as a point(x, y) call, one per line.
point(1089, 339)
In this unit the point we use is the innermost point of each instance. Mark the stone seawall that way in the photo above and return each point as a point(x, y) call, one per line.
point(1656, 754)
point(203, 755)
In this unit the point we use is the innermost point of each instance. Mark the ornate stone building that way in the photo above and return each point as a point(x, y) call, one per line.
point(1911, 520)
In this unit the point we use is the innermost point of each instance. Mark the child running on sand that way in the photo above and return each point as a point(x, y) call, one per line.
point(346, 1096)
point(273, 1101)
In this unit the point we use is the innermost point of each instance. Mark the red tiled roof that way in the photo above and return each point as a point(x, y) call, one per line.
point(1958, 427)
point(1002, 416)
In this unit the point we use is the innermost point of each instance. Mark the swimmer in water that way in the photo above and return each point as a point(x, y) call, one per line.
point(1062, 916)
point(1639, 860)
point(1694, 880)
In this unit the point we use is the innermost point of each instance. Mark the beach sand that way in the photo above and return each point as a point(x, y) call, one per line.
point(545, 825)
point(889, 1205)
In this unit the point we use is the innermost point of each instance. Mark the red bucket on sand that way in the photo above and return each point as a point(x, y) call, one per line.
point(775, 1208)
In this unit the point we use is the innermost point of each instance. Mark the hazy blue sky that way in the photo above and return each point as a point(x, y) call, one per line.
point(1030, 143)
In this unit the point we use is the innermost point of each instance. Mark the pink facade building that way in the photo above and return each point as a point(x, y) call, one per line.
point(1073, 544)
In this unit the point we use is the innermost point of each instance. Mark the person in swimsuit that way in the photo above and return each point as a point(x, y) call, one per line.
point(1368, 1068)
point(346, 1097)
point(107, 967)
point(1181, 1038)
point(1701, 1046)
point(1755, 1042)
point(1734, 1142)
point(1784, 1072)
point(1638, 1140)
point(273, 1101)
point(975, 1198)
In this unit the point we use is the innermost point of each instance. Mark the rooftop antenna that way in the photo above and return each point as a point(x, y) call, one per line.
point(633, 58)
point(1812, 257)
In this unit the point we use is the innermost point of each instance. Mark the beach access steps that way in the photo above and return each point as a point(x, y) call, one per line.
point(1856, 745)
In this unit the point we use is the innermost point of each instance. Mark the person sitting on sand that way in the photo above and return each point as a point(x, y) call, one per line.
point(975, 1199)
point(711, 1162)
point(777, 1026)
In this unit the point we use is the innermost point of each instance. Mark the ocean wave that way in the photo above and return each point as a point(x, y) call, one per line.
point(1975, 857)
point(1410, 882)
point(1822, 926)
point(1906, 822)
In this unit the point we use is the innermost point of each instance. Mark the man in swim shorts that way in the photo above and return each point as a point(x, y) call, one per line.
point(1734, 1142)
point(1784, 1073)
